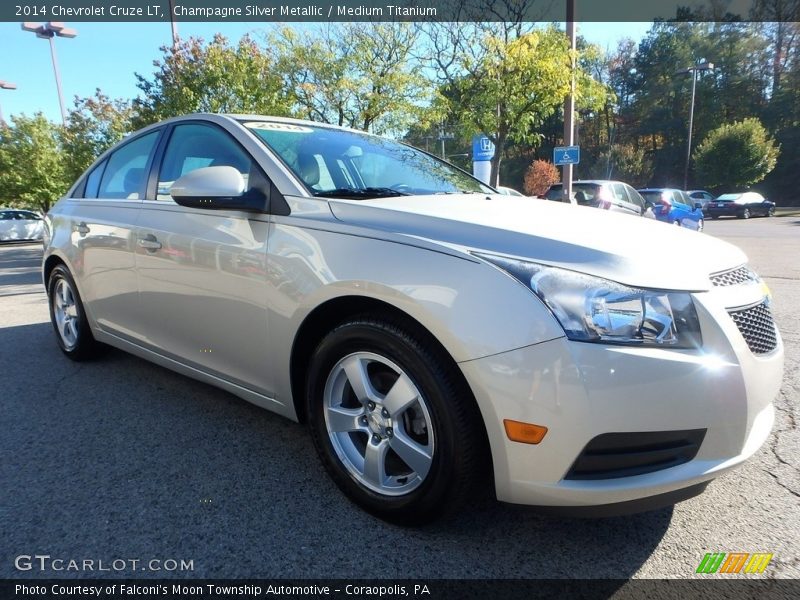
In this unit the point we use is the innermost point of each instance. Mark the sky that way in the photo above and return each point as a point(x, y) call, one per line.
point(106, 56)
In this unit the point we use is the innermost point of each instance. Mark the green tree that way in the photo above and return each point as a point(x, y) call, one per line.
point(737, 154)
point(32, 163)
point(215, 77)
point(94, 125)
point(507, 82)
point(360, 75)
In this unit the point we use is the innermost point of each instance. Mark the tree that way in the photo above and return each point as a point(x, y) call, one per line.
point(505, 83)
point(736, 155)
point(32, 163)
point(94, 125)
point(539, 176)
point(215, 77)
point(355, 74)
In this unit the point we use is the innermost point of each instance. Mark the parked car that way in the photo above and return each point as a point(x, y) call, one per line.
point(436, 338)
point(743, 206)
point(507, 191)
point(615, 196)
point(675, 207)
point(701, 196)
point(18, 225)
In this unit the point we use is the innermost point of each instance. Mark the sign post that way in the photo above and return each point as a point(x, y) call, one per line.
point(482, 154)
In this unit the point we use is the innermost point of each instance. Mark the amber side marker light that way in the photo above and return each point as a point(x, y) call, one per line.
point(526, 433)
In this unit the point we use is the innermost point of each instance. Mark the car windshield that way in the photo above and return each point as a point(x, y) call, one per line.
point(347, 164)
point(728, 197)
point(584, 193)
point(654, 196)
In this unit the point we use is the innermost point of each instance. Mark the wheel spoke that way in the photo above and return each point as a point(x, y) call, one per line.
point(344, 419)
point(73, 331)
point(375, 463)
point(402, 395)
point(62, 288)
point(416, 456)
point(65, 328)
point(356, 370)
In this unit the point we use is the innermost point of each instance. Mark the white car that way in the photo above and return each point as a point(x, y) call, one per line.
point(18, 225)
point(437, 338)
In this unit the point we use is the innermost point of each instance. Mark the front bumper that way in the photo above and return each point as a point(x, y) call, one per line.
point(582, 390)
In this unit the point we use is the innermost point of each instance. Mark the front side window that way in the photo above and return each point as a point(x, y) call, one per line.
point(194, 146)
point(125, 175)
point(347, 164)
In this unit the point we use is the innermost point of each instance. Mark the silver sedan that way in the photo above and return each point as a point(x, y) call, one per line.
point(437, 337)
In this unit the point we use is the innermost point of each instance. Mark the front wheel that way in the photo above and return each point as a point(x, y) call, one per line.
point(393, 423)
point(745, 214)
point(771, 211)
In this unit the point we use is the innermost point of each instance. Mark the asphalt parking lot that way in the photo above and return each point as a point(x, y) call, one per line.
point(122, 459)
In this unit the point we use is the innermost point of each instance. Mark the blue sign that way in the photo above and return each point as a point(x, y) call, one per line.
point(566, 155)
point(482, 148)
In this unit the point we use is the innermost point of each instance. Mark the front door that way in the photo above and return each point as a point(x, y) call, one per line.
point(202, 273)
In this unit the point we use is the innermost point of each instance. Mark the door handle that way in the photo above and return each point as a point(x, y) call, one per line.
point(83, 228)
point(149, 243)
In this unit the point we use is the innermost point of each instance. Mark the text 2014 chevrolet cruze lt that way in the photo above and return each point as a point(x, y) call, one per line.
point(437, 337)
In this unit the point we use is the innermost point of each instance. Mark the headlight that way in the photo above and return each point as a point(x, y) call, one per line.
point(591, 309)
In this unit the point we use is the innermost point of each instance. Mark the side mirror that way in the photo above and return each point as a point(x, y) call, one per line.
point(698, 206)
point(216, 188)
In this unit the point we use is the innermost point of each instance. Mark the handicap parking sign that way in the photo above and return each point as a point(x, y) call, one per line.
point(566, 155)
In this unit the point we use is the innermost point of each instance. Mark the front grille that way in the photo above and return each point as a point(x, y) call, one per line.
point(757, 327)
point(735, 276)
point(614, 455)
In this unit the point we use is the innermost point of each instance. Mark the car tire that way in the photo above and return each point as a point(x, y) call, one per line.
point(73, 334)
point(745, 214)
point(771, 211)
point(677, 223)
point(393, 422)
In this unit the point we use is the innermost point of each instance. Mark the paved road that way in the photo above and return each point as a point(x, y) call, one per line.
point(121, 459)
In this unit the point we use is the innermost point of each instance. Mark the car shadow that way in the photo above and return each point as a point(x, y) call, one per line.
point(118, 457)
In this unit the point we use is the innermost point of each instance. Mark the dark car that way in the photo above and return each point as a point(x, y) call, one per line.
point(675, 207)
point(615, 196)
point(742, 206)
point(701, 196)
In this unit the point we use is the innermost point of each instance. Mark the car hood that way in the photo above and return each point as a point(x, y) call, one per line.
point(631, 250)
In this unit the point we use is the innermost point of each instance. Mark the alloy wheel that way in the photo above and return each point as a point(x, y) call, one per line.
point(378, 423)
point(65, 311)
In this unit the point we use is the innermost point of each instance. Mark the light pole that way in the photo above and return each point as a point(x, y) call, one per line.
point(569, 103)
point(5, 85)
point(700, 65)
point(49, 31)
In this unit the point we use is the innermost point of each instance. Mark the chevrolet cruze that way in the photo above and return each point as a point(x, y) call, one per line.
point(437, 337)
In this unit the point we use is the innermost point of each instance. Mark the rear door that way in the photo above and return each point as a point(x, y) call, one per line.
point(101, 216)
point(202, 273)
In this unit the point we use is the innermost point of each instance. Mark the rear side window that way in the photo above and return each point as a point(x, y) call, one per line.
point(634, 196)
point(619, 192)
point(93, 181)
point(125, 175)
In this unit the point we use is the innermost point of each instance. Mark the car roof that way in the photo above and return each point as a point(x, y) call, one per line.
point(665, 189)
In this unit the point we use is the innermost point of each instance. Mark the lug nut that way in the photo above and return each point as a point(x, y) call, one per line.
point(363, 420)
point(389, 431)
point(371, 405)
point(385, 413)
point(376, 439)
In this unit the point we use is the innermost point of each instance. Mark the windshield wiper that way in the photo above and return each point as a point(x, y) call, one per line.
point(367, 192)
